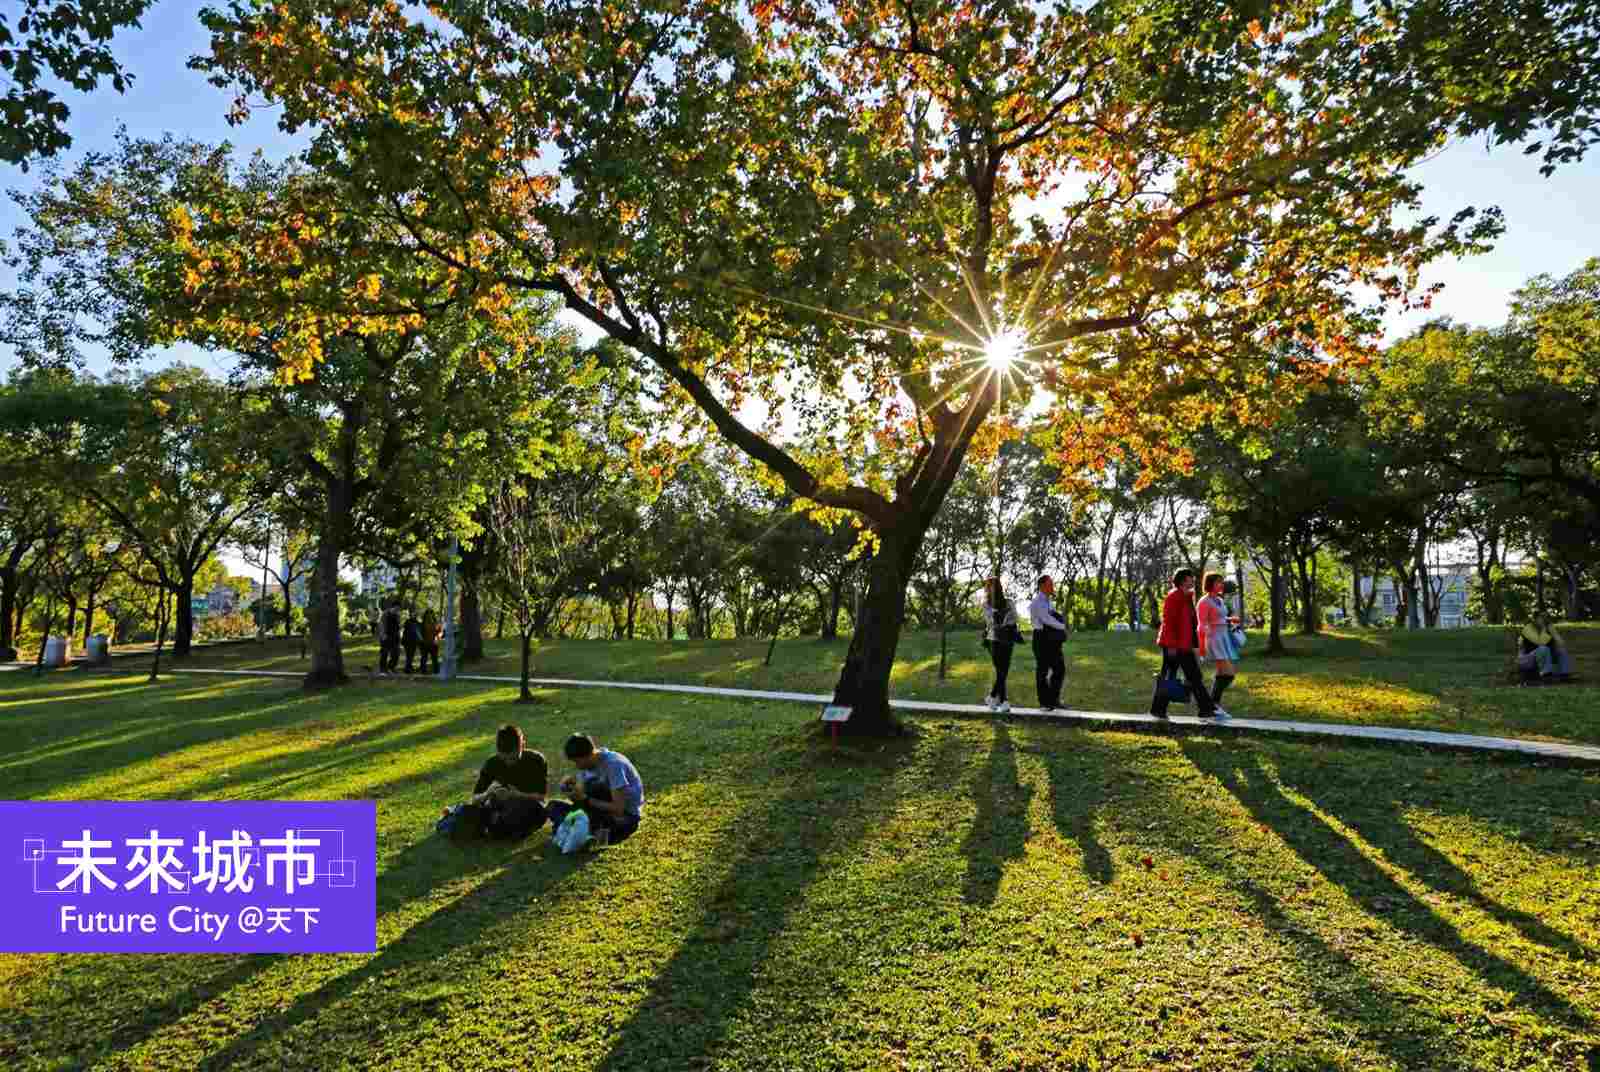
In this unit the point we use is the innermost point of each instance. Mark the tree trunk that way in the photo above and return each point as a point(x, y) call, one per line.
point(44, 639)
point(1275, 633)
point(1310, 613)
point(864, 680)
point(944, 629)
point(1571, 574)
point(8, 611)
point(88, 616)
point(830, 619)
point(322, 612)
point(469, 570)
point(527, 655)
point(71, 629)
point(633, 609)
point(670, 635)
point(183, 634)
point(500, 625)
point(161, 631)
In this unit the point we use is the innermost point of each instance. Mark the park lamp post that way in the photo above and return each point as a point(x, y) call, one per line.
point(447, 665)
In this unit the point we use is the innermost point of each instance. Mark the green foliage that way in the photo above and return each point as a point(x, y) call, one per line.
point(55, 40)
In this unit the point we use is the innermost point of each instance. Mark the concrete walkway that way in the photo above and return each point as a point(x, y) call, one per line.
point(1467, 742)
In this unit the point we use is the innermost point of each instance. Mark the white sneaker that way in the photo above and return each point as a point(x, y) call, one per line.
point(989, 702)
point(1004, 707)
point(1221, 715)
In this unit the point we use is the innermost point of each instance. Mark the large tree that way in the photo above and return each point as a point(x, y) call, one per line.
point(163, 456)
point(833, 212)
point(393, 414)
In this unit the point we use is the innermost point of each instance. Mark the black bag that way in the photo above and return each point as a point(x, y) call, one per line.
point(1174, 690)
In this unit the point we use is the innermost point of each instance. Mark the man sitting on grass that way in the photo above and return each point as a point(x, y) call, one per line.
point(511, 787)
point(607, 787)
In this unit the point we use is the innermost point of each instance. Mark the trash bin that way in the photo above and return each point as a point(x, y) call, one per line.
point(99, 649)
point(55, 651)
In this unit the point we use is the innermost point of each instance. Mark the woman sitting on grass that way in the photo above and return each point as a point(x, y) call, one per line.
point(1543, 652)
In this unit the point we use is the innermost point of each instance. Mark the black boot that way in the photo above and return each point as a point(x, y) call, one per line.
point(1220, 686)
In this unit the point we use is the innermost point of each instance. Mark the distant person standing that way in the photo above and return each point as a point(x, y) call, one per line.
point(1180, 639)
point(1049, 635)
point(389, 639)
point(1217, 640)
point(431, 631)
point(1001, 633)
point(411, 636)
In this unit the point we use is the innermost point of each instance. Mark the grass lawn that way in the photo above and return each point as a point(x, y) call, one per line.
point(1449, 679)
point(981, 895)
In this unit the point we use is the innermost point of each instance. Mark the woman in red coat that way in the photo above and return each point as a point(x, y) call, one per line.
point(1179, 639)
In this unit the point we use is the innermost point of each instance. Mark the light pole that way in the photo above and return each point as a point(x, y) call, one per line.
point(447, 665)
point(261, 603)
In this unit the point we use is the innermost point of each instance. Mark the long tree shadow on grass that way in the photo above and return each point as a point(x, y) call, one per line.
point(95, 1007)
point(1353, 998)
point(441, 949)
point(55, 763)
point(1078, 790)
point(1000, 827)
point(824, 811)
point(1342, 863)
point(1376, 816)
point(446, 948)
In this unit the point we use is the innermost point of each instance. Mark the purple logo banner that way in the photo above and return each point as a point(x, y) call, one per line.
point(187, 876)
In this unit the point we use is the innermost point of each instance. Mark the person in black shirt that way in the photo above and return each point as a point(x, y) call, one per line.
point(389, 639)
point(411, 636)
point(511, 787)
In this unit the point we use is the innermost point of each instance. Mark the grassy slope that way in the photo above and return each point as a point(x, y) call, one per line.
point(985, 895)
point(1450, 680)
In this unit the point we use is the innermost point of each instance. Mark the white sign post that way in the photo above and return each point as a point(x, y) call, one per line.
point(834, 714)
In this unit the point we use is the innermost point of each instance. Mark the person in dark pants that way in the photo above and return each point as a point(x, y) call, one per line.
point(429, 643)
point(511, 787)
point(389, 639)
point(1179, 639)
point(607, 787)
point(410, 637)
point(1000, 635)
point(1049, 634)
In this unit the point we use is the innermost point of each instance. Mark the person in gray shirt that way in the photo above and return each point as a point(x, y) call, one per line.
point(607, 787)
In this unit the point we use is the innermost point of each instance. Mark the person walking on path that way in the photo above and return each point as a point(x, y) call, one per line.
point(1049, 634)
point(1217, 640)
point(1179, 639)
point(410, 637)
point(1000, 635)
point(431, 631)
point(389, 639)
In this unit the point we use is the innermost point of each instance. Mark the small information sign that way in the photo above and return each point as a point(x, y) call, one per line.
point(836, 713)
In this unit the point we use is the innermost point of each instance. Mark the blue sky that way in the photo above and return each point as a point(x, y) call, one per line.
point(1551, 224)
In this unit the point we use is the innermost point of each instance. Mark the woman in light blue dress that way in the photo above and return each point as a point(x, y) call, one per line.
point(1217, 640)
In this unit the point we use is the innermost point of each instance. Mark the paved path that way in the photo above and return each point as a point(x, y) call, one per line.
point(1560, 752)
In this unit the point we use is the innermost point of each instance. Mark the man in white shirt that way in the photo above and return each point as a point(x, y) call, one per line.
point(1049, 634)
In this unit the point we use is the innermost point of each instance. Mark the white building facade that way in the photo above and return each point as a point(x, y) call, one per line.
point(1452, 583)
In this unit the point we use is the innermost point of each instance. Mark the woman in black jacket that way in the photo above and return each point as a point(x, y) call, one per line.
point(1000, 635)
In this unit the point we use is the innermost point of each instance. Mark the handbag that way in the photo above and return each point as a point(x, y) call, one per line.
point(1174, 690)
point(1237, 635)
